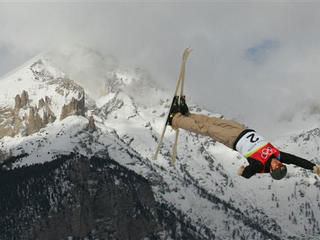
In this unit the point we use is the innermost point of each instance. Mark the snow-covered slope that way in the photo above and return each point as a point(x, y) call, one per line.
point(39, 79)
point(203, 186)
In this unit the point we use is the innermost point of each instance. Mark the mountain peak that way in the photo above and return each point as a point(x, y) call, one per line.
point(100, 74)
point(59, 82)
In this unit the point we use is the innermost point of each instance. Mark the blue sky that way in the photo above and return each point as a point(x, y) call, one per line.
point(258, 54)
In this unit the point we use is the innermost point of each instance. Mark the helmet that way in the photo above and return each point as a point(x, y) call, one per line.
point(279, 173)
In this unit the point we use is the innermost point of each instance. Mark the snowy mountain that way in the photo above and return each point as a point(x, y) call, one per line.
point(45, 108)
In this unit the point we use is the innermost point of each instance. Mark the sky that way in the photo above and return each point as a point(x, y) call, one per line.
point(253, 61)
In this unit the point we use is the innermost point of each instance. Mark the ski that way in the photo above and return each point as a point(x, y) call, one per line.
point(175, 100)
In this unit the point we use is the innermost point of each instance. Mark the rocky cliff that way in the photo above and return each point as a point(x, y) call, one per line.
point(91, 125)
point(75, 107)
point(26, 118)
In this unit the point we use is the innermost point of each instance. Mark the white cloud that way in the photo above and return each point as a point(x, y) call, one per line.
point(220, 75)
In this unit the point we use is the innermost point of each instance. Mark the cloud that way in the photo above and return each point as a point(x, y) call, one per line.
point(251, 60)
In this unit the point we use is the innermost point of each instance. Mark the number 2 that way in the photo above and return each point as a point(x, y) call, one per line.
point(251, 136)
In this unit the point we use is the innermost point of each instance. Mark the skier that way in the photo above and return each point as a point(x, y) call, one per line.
point(262, 156)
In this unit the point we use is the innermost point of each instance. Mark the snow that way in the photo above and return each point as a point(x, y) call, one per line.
point(125, 77)
point(42, 146)
point(128, 131)
point(259, 193)
point(104, 99)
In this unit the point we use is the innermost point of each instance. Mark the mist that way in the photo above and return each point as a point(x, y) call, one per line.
point(254, 62)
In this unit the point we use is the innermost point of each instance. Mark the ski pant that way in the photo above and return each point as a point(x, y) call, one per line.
point(224, 131)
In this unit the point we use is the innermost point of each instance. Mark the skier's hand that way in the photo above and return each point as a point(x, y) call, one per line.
point(316, 169)
point(240, 170)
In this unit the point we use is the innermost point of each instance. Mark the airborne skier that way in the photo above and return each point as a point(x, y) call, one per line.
point(262, 156)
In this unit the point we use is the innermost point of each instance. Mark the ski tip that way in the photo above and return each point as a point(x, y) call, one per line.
point(186, 53)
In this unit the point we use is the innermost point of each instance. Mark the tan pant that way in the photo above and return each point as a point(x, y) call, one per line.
point(224, 131)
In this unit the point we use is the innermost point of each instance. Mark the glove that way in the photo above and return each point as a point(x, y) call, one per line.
point(240, 170)
point(316, 169)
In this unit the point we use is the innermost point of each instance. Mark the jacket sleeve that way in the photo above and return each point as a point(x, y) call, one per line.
point(292, 159)
point(253, 168)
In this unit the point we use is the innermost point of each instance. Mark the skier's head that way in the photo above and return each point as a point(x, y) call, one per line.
point(277, 169)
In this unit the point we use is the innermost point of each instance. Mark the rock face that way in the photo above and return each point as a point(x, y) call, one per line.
point(75, 107)
point(91, 125)
point(31, 112)
point(35, 121)
point(81, 198)
point(11, 121)
point(21, 101)
point(16, 121)
point(6, 120)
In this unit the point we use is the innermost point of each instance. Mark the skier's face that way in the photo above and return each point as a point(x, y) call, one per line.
point(275, 164)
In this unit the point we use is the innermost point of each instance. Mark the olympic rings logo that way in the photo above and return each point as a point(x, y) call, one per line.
point(266, 152)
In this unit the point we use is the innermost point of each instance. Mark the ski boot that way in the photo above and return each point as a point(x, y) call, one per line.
point(174, 109)
point(183, 106)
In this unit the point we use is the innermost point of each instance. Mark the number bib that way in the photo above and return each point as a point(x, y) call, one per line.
point(255, 146)
point(249, 143)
